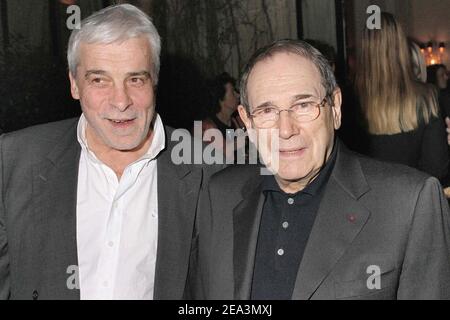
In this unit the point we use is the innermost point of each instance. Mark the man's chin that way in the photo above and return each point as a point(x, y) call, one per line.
point(289, 177)
point(286, 173)
point(126, 143)
point(125, 146)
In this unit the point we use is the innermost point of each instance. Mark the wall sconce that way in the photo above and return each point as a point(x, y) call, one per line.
point(433, 53)
point(430, 47)
point(422, 49)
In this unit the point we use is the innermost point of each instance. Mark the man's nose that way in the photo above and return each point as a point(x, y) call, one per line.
point(286, 125)
point(120, 98)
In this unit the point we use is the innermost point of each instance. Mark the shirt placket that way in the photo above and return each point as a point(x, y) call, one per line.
point(280, 237)
point(127, 181)
point(285, 226)
point(110, 248)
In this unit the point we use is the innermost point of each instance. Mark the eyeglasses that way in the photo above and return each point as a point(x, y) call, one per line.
point(305, 111)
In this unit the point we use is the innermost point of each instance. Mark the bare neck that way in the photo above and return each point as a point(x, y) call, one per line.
point(115, 159)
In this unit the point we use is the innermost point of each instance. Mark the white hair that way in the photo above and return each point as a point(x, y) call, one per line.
point(115, 24)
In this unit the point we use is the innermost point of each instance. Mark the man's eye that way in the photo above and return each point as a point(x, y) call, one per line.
point(267, 110)
point(304, 105)
point(98, 81)
point(137, 81)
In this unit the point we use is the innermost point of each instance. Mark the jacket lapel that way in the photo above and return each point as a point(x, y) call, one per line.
point(339, 220)
point(54, 200)
point(178, 188)
point(246, 221)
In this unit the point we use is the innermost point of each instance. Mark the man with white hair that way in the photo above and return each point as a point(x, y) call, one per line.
point(94, 207)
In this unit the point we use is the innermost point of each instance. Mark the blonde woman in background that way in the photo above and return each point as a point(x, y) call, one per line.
point(421, 74)
point(402, 114)
point(418, 62)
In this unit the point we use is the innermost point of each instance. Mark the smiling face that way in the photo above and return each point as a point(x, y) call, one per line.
point(284, 80)
point(116, 94)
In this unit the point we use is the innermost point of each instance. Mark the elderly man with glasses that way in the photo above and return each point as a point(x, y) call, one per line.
point(328, 223)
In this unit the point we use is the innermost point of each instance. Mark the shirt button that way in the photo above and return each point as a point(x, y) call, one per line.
point(105, 283)
point(291, 201)
point(115, 205)
point(285, 225)
point(280, 252)
point(110, 244)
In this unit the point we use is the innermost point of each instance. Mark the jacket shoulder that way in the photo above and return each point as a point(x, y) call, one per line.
point(37, 140)
point(234, 177)
point(390, 174)
point(46, 131)
point(393, 188)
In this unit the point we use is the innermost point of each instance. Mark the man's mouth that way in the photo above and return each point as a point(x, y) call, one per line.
point(291, 152)
point(120, 122)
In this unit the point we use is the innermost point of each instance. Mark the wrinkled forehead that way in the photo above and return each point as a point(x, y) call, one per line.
point(282, 76)
point(131, 51)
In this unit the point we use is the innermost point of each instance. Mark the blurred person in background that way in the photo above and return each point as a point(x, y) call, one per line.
point(418, 62)
point(223, 114)
point(438, 76)
point(402, 114)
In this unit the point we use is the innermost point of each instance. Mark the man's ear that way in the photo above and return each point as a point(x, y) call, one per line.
point(74, 87)
point(244, 116)
point(336, 108)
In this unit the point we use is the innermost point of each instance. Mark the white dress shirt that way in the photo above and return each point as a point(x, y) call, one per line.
point(117, 223)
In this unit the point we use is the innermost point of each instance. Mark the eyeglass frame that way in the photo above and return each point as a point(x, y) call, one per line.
point(318, 106)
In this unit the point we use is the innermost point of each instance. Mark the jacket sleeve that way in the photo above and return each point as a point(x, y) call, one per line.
point(197, 275)
point(195, 281)
point(4, 259)
point(426, 267)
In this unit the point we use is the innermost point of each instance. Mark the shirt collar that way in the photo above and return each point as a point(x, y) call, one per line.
point(271, 185)
point(158, 143)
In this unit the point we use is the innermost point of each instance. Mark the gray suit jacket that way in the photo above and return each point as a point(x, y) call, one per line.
point(372, 215)
point(38, 186)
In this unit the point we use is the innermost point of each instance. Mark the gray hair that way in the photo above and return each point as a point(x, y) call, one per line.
point(115, 24)
point(297, 47)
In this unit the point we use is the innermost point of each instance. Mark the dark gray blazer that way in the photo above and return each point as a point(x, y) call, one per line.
point(38, 186)
point(372, 214)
